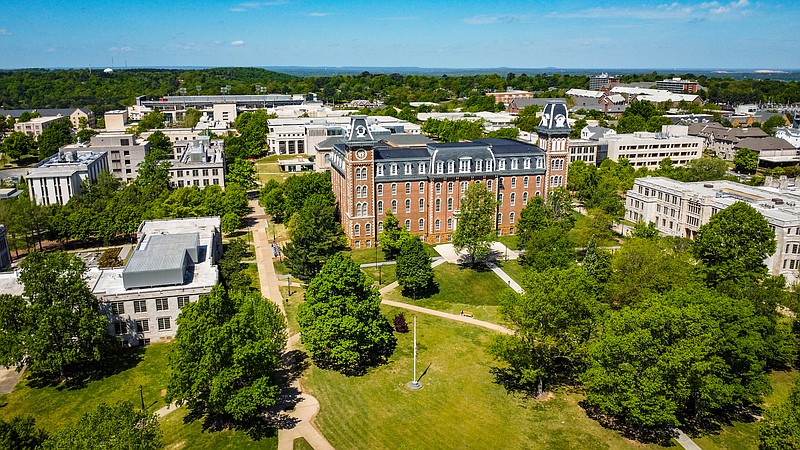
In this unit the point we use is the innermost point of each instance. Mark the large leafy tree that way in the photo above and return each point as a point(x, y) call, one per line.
point(733, 245)
point(242, 172)
point(159, 142)
point(17, 145)
point(392, 236)
point(547, 248)
point(341, 322)
point(53, 137)
point(552, 322)
point(116, 426)
point(780, 428)
point(226, 352)
point(58, 328)
point(151, 120)
point(253, 128)
point(414, 271)
point(476, 222)
point(21, 433)
point(315, 234)
point(746, 160)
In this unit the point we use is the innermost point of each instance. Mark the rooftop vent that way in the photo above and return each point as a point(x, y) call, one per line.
point(708, 185)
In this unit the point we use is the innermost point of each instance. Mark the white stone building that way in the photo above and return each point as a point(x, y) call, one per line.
point(679, 209)
point(58, 178)
point(645, 149)
point(201, 164)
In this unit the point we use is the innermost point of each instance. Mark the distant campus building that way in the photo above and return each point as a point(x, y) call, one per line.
point(58, 178)
point(679, 209)
point(423, 186)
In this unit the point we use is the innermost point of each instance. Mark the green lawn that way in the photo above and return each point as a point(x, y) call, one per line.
point(54, 407)
point(280, 268)
point(181, 435)
point(460, 405)
point(301, 444)
point(388, 275)
point(297, 297)
point(744, 435)
point(461, 288)
point(368, 255)
point(511, 242)
point(514, 269)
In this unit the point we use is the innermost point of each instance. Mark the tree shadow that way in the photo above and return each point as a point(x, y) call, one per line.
point(697, 426)
point(647, 435)
point(477, 266)
point(429, 291)
point(80, 375)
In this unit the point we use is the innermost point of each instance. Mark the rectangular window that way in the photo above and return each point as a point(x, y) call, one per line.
point(182, 301)
point(142, 326)
point(162, 304)
point(163, 323)
point(120, 328)
point(140, 306)
point(117, 307)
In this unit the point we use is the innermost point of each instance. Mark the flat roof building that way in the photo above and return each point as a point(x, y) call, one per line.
point(678, 85)
point(75, 114)
point(58, 178)
point(37, 125)
point(201, 164)
point(645, 149)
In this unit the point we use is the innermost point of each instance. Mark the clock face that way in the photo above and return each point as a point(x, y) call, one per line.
point(361, 154)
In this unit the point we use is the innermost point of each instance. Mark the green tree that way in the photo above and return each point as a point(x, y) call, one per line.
point(780, 429)
point(190, 118)
point(242, 172)
point(476, 222)
point(705, 169)
point(526, 119)
point(21, 433)
point(733, 245)
point(631, 124)
point(504, 133)
point(645, 230)
point(150, 121)
point(414, 271)
point(552, 322)
point(746, 160)
point(227, 349)
point(315, 235)
point(86, 134)
point(161, 143)
point(392, 236)
point(17, 145)
point(548, 248)
point(153, 175)
point(770, 125)
point(116, 426)
point(59, 328)
point(55, 136)
point(253, 128)
point(579, 125)
point(341, 322)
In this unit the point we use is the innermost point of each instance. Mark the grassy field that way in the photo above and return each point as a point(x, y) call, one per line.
point(511, 242)
point(461, 288)
point(297, 297)
point(388, 275)
point(181, 435)
point(744, 435)
point(369, 255)
point(301, 444)
point(460, 405)
point(56, 406)
point(514, 269)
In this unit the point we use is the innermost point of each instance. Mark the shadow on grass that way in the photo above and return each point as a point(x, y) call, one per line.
point(429, 291)
point(648, 435)
point(701, 426)
point(80, 375)
point(477, 266)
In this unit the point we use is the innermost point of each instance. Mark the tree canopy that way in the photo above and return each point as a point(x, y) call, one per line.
point(414, 272)
point(55, 136)
point(341, 322)
point(115, 426)
point(315, 235)
point(475, 229)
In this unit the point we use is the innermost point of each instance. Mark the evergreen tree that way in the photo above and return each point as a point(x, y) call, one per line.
point(414, 271)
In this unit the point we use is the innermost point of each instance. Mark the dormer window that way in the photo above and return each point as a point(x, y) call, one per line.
point(514, 164)
point(501, 164)
point(526, 163)
point(421, 168)
point(439, 167)
point(380, 170)
point(393, 169)
point(463, 165)
point(478, 164)
point(451, 166)
point(540, 163)
point(407, 169)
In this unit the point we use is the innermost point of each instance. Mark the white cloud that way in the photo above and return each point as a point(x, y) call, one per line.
point(124, 49)
point(5, 32)
point(665, 11)
point(319, 14)
point(237, 43)
point(248, 6)
point(495, 19)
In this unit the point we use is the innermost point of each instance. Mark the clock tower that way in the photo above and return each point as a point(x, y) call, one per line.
point(358, 213)
point(553, 139)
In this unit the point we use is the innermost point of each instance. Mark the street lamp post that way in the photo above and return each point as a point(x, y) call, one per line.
point(141, 396)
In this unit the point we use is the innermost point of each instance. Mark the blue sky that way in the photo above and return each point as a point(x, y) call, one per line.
point(472, 34)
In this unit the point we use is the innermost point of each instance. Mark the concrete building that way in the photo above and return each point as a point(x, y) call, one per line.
point(116, 120)
point(37, 125)
point(423, 186)
point(75, 114)
point(678, 85)
point(679, 209)
point(58, 178)
point(124, 152)
point(603, 80)
point(224, 108)
point(202, 164)
point(591, 147)
point(506, 96)
point(790, 134)
point(5, 250)
point(180, 138)
point(645, 149)
point(174, 263)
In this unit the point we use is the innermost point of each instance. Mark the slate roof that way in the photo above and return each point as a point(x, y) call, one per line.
point(44, 112)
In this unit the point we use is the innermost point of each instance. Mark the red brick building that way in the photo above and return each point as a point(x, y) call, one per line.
point(423, 187)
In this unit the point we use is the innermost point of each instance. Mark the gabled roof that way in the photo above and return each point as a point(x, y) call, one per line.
point(44, 112)
point(767, 143)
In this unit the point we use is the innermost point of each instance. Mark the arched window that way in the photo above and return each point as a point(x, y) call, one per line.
point(358, 209)
point(421, 187)
point(449, 224)
point(513, 182)
point(438, 224)
point(511, 218)
point(499, 218)
point(525, 182)
point(500, 199)
point(408, 225)
point(394, 188)
point(464, 185)
point(408, 188)
point(408, 205)
point(512, 199)
point(449, 204)
point(450, 187)
point(524, 198)
point(438, 204)
point(356, 230)
point(422, 205)
point(538, 180)
point(438, 188)
point(380, 206)
point(394, 206)
point(421, 224)
point(358, 191)
point(368, 229)
point(380, 190)
point(538, 193)
point(380, 227)
point(489, 184)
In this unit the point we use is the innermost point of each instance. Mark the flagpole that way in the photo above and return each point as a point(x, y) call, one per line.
point(414, 384)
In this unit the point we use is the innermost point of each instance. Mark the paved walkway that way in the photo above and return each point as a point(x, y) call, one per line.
point(8, 379)
point(504, 276)
point(684, 440)
point(306, 407)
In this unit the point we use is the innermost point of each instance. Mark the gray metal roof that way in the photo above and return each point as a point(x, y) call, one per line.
point(44, 112)
point(163, 252)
